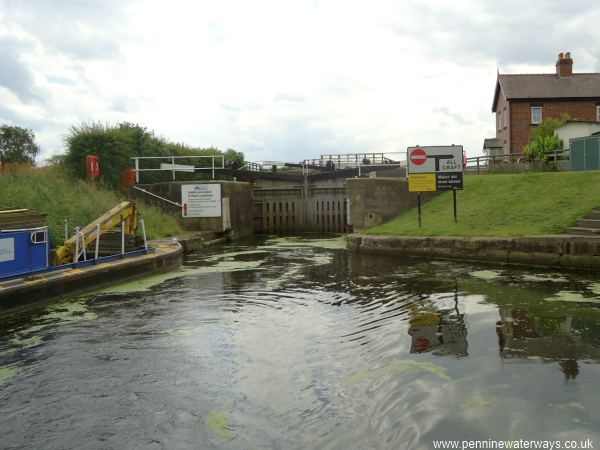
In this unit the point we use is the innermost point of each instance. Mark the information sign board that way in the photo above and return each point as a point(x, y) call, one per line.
point(448, 181)
point(443, 163)
point(435, 168)
point(421, 182)
point(201, 200)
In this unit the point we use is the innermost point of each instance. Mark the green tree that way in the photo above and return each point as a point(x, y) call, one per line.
point(17, 145)
point(234, 159)
point(543, 139)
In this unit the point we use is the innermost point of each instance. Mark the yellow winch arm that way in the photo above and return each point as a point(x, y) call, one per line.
point(126, 212)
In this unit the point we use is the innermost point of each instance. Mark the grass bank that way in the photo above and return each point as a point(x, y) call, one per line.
point(504, 205)
point(51, 190)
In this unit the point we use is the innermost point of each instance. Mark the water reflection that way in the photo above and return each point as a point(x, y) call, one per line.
point(439, 331)
point(560, 339)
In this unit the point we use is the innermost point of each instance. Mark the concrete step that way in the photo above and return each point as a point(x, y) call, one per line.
point(588, 223)
point(594, 214)
point(583, 231)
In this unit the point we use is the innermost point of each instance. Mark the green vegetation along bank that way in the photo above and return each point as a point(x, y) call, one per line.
point(504, 205)
point(52, 190)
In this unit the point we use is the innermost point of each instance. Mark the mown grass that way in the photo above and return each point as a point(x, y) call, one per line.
point(53, 191)
point(504, 205)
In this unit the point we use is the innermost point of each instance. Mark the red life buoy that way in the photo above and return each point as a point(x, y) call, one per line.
point(92, 166)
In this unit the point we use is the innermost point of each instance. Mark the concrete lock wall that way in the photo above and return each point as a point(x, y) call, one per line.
point(576, 252)
point(237, 195)
point(377, 200)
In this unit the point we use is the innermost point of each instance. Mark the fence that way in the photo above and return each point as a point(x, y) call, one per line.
point(172, 167)
point(355, 160)
point(518, 162)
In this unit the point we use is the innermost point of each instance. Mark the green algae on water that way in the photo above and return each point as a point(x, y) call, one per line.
point(320, 260)
point(68, 312)
point(544, 278)
point(8, 372)
point(33, 341)
point(10, 351)
point(595, 288)
point(144, 284)
point(218, 423)
point(221, 256)
point(477, 403)
point(486, 274)
point(336, 243)
point(570, 405)
point(399, 365)
point(570, 296)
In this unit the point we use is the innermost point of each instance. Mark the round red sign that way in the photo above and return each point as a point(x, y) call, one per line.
point(418, 156)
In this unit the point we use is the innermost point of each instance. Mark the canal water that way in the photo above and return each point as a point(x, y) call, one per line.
point(295, 343)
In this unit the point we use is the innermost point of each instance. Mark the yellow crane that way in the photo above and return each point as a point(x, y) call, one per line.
point(124, 213)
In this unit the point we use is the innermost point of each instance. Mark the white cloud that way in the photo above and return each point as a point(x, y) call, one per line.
point(279, 80)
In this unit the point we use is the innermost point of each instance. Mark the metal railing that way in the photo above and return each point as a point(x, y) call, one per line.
point(354, 160)
point(215, 162)
point(81, 247)
point(252, 166)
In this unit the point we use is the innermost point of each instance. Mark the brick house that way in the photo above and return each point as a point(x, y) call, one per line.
point(523, 101)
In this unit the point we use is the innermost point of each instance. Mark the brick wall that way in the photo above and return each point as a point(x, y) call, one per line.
point(520, 116)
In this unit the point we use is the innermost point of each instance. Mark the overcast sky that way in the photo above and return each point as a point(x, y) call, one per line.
point(281, 79)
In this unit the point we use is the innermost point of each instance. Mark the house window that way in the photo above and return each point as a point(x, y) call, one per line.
point(499, 119)
point(597, 113)
point(536, 115)
point(505, 119)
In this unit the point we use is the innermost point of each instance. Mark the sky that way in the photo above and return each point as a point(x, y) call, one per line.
point(281, 80)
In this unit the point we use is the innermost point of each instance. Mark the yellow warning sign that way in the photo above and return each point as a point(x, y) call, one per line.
point(421, 182)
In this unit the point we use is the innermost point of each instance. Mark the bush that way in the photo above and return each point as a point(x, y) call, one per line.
point(543, 139)
point(115, 145)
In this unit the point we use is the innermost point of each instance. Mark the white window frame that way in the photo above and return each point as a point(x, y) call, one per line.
point(597, 113)
point(499, 120)
point(533, 115)
point(504, 119)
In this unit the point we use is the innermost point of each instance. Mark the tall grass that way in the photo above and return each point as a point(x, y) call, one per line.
point(53, 191)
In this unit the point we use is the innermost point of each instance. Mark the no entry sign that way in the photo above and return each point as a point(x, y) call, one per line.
point(418, 156)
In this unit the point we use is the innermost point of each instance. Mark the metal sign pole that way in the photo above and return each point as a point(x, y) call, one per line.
point(419, 207)
point(455, 216)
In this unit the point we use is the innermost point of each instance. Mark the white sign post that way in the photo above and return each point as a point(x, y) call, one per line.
point(201, 200)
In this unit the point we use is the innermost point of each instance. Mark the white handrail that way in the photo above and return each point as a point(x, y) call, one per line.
point(173, 169)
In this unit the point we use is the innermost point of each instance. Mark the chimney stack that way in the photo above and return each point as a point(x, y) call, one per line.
point(564, 65)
